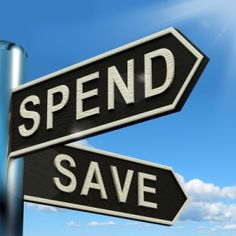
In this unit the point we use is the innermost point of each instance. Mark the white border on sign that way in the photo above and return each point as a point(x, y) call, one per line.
point(127, 120)
point(110, 212)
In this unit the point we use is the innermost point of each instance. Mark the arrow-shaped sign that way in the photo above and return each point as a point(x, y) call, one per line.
point(141, 80)
point(88, 179)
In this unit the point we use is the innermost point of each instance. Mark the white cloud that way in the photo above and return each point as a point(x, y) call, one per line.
point(40, 207)
point(72, 224)
point(201, 191)
point(97, 223)
point(230, 227)
point(209, 202)
point(213, 229)
point(208, 211)
point(229, 192)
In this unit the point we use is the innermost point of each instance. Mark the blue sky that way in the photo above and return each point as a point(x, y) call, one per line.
point(198, 142)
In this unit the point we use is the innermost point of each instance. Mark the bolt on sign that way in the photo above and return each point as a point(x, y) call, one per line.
point(141, 80)
point(87, 179)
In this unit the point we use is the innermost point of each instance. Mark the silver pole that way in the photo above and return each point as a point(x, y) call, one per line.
point(12, 73)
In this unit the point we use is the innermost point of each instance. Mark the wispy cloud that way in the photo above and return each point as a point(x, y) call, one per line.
point(72, 224)
point(138, 224)
point(217, 228)
point(40, 207)
point(99, 223)
point(83, 142)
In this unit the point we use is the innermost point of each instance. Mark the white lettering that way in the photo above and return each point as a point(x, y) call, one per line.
point(121, 193)
point(142, 189)
point(57, 163)
point(94, 171)
point(170, 70)
point(114, 77)
point(81, 95)
point(63, 89)
point(33, 115)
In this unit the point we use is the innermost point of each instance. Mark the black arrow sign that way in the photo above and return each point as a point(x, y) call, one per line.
point(141, 80)
point(87, 179)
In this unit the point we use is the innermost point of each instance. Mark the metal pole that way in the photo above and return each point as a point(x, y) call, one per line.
point(12, 73)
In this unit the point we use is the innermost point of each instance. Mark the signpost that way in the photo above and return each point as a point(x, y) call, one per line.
point(83, 178)
point(141, 80)
point(144, 79)
point(12, 73)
